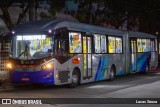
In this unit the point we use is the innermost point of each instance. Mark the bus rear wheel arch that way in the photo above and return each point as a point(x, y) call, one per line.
point(75, 80)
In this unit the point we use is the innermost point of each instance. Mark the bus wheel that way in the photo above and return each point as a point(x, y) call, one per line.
point(75, 79)
point(112, 73)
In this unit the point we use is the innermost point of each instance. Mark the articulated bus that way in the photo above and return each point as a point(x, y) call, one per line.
point(63, 52)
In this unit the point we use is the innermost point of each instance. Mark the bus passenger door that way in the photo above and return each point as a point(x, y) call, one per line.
point(87, 62)
point(133, 55)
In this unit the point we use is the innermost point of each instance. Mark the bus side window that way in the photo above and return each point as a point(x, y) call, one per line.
point(148, 46)
point(61, 44)
point(100, 44)
point(75, 42)
point(103, 44)
point(144, 45)
point(139, 45)
point(156, 45)
point(118, 45)
point(111, 44)
point(97, 43)
point(115, 44)
point(153, 45)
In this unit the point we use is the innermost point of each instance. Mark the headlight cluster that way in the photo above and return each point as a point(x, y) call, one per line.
point(47, 66)
point(9, 65)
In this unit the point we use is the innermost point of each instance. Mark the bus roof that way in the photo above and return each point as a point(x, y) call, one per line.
point(45, 25)
point(140, 34)
point(42, 26)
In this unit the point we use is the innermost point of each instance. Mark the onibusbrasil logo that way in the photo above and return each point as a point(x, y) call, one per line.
point(21, 101)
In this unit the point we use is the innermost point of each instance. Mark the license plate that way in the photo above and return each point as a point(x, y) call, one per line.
point(25, 79)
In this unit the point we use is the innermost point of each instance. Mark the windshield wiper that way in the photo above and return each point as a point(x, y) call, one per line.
point(25, 52)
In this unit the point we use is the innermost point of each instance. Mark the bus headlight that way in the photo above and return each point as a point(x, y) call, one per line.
point(47, 66)
point(9, 65)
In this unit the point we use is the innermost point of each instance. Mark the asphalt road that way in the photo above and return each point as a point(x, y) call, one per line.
point(128, 86)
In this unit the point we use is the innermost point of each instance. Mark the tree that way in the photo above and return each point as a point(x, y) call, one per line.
point(149, 18)
point(31, 5)
point(85, 11)
point(56, 6)
point(4, 5)
point(142, 13)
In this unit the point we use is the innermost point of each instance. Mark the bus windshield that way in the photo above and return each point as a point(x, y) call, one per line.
point(32, 46)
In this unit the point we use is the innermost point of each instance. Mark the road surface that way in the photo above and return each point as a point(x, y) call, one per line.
point(128, 86)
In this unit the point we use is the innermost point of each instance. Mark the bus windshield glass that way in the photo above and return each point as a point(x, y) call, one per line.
point(32, 46)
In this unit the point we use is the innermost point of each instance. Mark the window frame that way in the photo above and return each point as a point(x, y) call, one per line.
point(74, 31)
point(58, 39)
point(143, 38)
point(100, 43)
point(93, 42)
point(85, 35)
point(155, 44)
point(115, 44)
point(151, 39)
point(105, 44)
point(137, 44)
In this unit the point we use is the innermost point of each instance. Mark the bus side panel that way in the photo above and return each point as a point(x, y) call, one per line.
point(119, 61)
point(142, 59)
point(99, 66)
point(102, 64)
point(63, 72)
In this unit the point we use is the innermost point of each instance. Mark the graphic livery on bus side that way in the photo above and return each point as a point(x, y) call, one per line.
point(63, 52)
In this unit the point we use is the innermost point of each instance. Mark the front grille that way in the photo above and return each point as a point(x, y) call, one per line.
point(63, 76)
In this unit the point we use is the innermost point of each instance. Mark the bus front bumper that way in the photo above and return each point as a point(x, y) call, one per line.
point(43, 76)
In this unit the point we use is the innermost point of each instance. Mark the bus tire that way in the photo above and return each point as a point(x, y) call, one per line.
point(75, 79)
point(112, 73)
